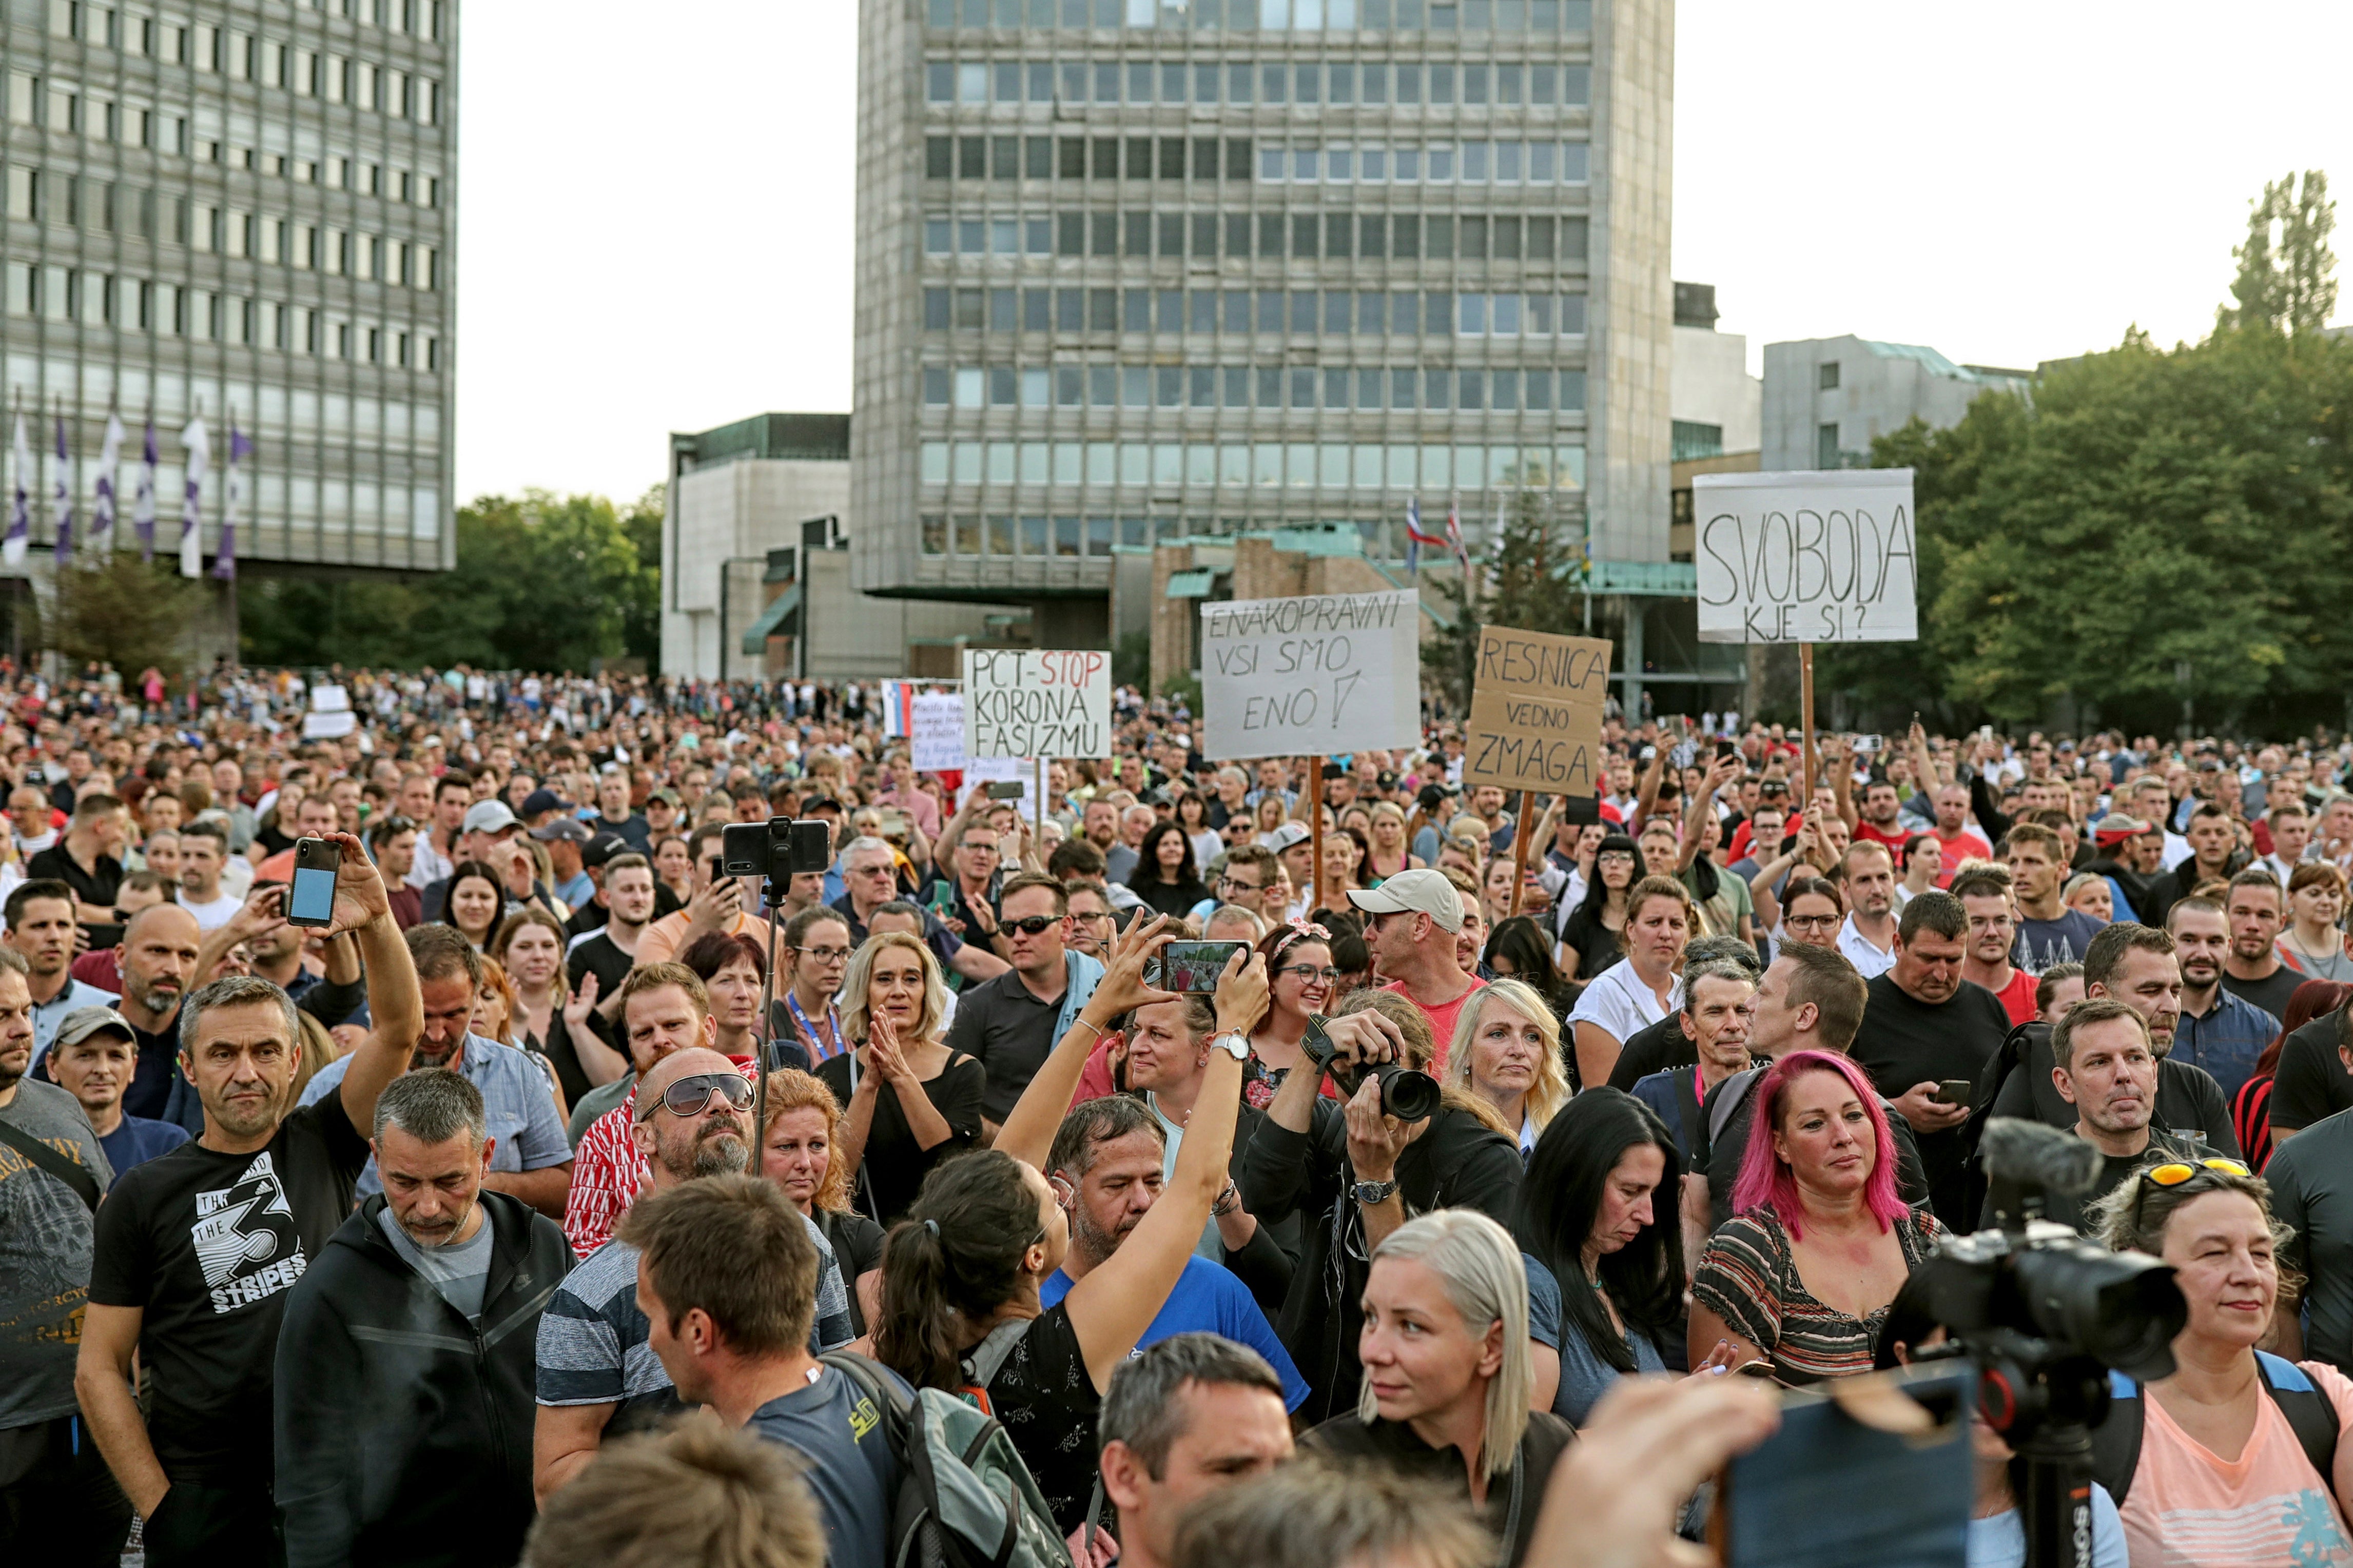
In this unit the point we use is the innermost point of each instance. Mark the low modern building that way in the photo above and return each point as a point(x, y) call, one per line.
point(755, 565)
point(1719, 406)
point(1826, 399)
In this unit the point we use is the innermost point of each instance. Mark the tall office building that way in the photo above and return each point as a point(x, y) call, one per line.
point(243, 211)
point(1137, 270)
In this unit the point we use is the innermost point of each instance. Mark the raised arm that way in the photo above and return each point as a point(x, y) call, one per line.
point(1112, 1307)
point(261, 913)
point(1719, 774)
point(1833, 758)
point(396, 1009)
point(1029, 1127)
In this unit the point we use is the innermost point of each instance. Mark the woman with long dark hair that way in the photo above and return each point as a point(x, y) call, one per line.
point(1164, 877)
point(961, 1273)
point(1599, 1237)
point(476, 902)
point(1592, 939)
point(1516, 949)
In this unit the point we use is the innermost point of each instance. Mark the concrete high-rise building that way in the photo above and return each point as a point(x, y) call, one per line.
point(1136, 270)
point(1826, 399)
point(246, 212)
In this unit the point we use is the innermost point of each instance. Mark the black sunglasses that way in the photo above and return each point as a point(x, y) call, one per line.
point(1031, 925)
point(690, 1096)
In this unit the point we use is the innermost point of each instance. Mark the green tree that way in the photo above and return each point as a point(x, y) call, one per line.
point(641, 614)
point(2286, 279)
point(127, 612)
point(1533, 583)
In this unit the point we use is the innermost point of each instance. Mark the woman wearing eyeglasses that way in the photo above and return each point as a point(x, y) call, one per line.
point(1812, 913)
point(1299, 979)
point(911, 1102)
point(816, 941)
point(2222, 1475)
point(1593, 937)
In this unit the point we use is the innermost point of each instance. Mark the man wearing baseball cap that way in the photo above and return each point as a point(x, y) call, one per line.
point(1412, 919)
point(92, 1058)
point(566, 838)
point(2121, 844)
point(485, 825)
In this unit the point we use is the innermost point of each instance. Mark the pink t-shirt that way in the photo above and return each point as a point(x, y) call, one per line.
point(1441, 1018)
point(2188, 1509)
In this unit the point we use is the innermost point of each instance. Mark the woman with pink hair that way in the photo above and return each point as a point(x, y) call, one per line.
point(1820, 1241)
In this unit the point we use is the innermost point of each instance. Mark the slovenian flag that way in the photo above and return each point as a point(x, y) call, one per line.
point(1454, 533)
point(1414, 537)
point(898, 709)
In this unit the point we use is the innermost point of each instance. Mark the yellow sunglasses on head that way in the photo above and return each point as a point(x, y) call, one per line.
point(2174, 1172)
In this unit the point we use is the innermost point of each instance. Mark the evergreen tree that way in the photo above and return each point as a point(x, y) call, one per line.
point(2286, 280)
point(1535, 582)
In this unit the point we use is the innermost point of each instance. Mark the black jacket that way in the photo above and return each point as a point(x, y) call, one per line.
point(1460, 1163)
point(404, 1431)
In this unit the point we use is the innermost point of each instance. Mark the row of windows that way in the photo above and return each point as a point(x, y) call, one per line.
point(1377, 84)
point(1370, 388)
point(1508, 16)
point(309, 73)
point(110, 208)
point(1296, 465)
point(1206, 158)
point(1338, 312)
point(65, 109)
point(299, 500)
point(269, 410)
point(201, 46)
point(1367, 236)
point(69, 294)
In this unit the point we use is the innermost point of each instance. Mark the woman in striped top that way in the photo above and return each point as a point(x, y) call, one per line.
point(1820, 1241)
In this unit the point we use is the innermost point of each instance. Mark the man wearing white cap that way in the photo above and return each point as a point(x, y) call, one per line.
point(484, 825)
point(1413, 919)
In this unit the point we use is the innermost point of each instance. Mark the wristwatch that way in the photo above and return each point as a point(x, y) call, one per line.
point(1234, 1043)
point(1374, 1192)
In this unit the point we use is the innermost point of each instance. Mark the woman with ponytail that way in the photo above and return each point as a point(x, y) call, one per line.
point(961, 1273)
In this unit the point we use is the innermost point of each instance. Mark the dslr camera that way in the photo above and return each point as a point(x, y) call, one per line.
point(779, 848)
point(1407, 1094)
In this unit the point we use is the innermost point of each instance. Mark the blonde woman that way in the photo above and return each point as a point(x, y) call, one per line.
point(911, 1102)
point(1506, 1051)
point(1448, 1374)
point(1391, 851)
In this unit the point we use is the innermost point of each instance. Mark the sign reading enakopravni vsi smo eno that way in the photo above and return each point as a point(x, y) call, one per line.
point(1828, 556)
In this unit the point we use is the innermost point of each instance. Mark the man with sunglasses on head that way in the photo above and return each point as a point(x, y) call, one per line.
point(1010, 1023)
point(689, 1117)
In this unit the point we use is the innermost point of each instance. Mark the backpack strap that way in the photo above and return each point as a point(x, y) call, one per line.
point(2116, 1441)
point(2308, 1411)
point(68, 1171)
point(1726, 1100)
point(992, 1352)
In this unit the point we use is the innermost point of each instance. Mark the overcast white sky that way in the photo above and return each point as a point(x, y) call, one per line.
point(655, 206)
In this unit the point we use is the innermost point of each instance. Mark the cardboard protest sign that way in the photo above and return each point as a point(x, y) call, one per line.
point(1314, 675)
point(1037, 702)
point(1805, 557)
point(1535, 712)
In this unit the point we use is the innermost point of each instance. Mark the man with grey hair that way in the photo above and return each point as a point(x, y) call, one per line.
point(1188, 1416)
point(1231, 922)
point(197, 1251)
point(1718, 1003)
point(1656, 1047)
point(871, 879)
point(406, 1364)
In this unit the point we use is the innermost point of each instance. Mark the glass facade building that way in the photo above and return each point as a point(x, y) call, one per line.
point(239, 210)
point(1138, 269)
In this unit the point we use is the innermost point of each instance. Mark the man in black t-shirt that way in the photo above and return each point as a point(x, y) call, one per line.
point(609, 952)
point(2314, 1080)
point(1924, 1026)
point(196, 1250)
point(89, 857)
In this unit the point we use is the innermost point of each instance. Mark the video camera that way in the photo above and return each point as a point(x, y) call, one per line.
point(1406, 1094)
point(779, 848)
point(2045, 1315)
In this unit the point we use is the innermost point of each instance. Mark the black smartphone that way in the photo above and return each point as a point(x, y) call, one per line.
point(1580, 810)
point(311, 901)
point(1006, 789)
point(1190, 967)
point(1955, 1091)
point(1726, 749)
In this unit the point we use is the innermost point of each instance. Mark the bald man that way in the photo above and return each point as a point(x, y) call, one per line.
point(597, 1378)
point(158, 958)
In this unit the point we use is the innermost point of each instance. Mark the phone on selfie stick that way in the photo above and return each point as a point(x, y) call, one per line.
point(776, 852)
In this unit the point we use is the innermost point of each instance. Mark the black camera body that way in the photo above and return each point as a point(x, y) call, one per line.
point(779, 847)
point(1407, 1094)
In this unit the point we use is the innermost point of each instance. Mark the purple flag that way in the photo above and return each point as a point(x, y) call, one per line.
point(62, 509)
point(143, 500)
point(225, 560)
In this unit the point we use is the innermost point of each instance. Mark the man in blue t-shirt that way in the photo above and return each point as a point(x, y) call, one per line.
point(727, 1276)
point(1106, 1169)
point(92, 1057)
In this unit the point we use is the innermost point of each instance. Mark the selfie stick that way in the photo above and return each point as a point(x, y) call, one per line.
point(774, 893)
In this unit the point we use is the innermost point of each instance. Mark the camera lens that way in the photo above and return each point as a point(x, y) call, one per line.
point(1407, 1095)
point(2122, 1310)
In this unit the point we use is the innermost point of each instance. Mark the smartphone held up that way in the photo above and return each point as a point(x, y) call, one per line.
point(311, 901)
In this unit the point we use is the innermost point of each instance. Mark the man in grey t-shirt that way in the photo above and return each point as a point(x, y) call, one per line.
point(55, 1490)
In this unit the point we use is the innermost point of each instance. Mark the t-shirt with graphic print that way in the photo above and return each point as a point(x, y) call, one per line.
point(2267, 1508)
point(208, 1245)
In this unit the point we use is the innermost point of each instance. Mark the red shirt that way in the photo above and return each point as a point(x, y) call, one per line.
point(1867, 833)
point(1441, 1018)
point(2017, 998)
point(1969, 844)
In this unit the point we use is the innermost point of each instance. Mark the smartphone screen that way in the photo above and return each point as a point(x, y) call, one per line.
point(1192, 967)
point(312, 899)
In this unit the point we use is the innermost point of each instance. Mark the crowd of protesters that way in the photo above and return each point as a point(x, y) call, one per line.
point(417, 1237)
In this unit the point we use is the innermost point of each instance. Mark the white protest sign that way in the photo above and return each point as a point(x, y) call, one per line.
point(331, 714)
point(1032, 703)
point(1805, 557)
point(936, 725)
point(1023, 770)
point(1311, 676)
